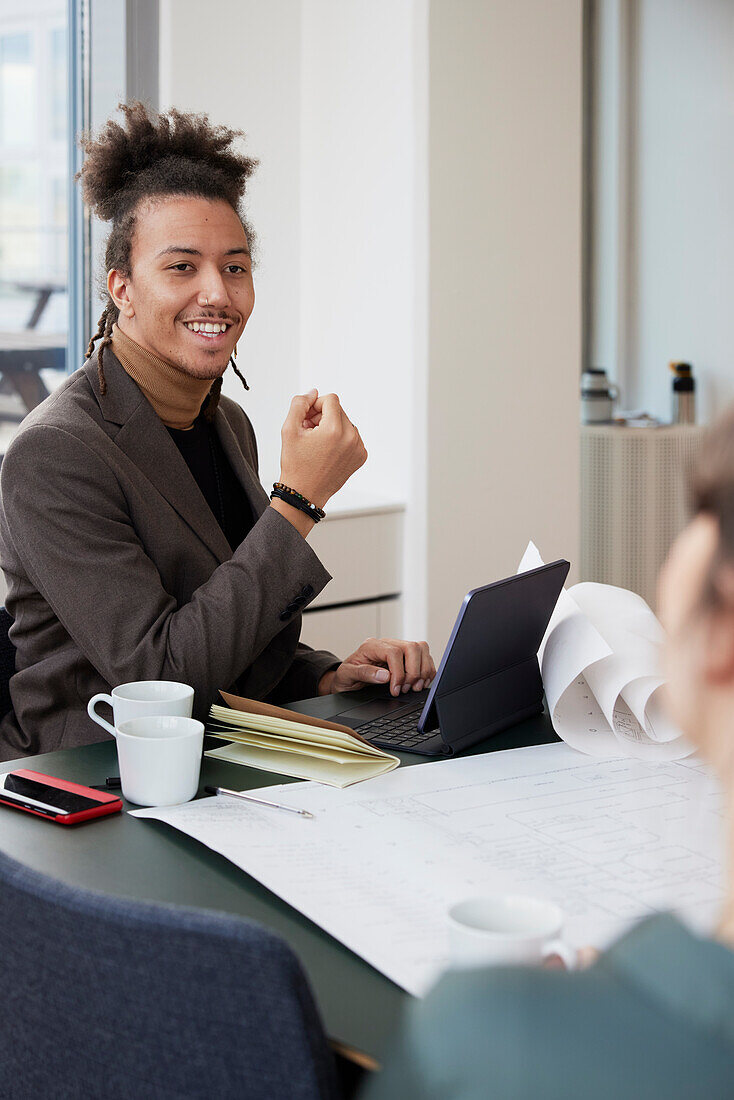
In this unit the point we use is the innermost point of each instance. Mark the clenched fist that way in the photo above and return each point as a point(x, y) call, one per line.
point(321, 448)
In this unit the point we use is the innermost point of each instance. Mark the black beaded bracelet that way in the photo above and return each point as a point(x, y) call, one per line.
point(297, 500)
point(294, 492)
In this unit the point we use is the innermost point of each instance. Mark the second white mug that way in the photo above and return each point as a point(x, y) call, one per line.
point(159, 758)
point(142, 698)
point(507, 929)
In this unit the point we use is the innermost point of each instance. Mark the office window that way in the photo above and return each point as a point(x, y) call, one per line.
point(17, 89)
point(34, 180)
point(59, 82)
point(662, 211)
point(63, 68)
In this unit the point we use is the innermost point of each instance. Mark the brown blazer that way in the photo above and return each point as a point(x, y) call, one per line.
point(117, 569)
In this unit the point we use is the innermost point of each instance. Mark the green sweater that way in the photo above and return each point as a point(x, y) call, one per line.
point(654, 1018)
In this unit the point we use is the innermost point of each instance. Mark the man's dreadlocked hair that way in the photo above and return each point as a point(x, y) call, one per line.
point(148, 156)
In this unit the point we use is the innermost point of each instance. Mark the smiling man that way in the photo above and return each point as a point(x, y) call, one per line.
point(136, 539)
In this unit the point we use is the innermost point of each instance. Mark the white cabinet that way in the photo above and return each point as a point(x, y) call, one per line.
point(342, 629)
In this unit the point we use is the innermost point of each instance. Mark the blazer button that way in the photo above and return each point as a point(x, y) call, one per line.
point(307, 591)
point(284, 616)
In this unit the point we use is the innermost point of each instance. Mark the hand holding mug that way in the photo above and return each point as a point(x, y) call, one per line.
point(507, 930)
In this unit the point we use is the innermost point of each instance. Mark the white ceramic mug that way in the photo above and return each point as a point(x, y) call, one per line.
point(160, 759)
point(141, 698)
point(506, 929)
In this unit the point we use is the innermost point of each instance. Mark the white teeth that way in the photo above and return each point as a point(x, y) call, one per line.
point(207, 327)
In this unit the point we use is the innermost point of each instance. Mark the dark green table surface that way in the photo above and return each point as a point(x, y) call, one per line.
point(149, 860)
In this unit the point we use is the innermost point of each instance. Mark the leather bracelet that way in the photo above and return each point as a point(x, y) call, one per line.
point(294, 492)
point(297, 500)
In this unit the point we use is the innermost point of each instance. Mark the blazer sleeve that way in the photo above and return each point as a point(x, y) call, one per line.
point(75, 538)
point(301, 680)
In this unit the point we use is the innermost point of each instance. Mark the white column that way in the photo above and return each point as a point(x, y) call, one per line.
point(502, 447)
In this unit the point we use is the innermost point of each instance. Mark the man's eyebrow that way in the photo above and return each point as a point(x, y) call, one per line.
point(182, 249)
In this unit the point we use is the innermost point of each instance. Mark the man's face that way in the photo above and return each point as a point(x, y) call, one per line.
point(190, 267)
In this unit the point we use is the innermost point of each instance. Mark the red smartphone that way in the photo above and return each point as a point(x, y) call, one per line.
point(55, 799)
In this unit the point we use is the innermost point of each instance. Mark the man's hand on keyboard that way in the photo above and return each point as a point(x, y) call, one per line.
point(405, 665)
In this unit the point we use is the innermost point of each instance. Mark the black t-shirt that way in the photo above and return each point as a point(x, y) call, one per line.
point(204, 455)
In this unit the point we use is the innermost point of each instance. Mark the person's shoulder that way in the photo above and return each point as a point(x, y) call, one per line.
point(478, 1028)
point(70, 406)
point(523, 1030)
point(618, 1028)
point(500, 1005)
point(68, 417)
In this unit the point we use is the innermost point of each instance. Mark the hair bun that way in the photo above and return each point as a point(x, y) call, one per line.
point(149, 153)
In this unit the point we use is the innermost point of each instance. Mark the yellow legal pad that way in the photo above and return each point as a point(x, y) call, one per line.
point(278, 740)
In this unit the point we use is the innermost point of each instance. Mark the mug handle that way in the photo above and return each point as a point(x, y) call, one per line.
point(568, 955)
point(101, 698)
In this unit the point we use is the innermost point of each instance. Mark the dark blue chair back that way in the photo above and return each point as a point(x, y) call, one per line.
point(7, 662)
point(105, 997)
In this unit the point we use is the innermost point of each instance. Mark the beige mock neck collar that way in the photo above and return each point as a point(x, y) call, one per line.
point(176, 397)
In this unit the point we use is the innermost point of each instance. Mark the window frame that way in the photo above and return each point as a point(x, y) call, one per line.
point(112, 55)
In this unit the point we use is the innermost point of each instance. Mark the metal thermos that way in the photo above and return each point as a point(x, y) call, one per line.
point(684, 394)
point(597, 397)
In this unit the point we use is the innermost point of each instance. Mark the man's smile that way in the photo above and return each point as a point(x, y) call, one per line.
point(211, 332)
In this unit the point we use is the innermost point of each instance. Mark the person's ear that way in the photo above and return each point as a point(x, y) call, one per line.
point(119, 287)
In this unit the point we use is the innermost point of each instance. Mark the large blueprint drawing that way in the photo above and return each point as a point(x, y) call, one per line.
point(380, 863)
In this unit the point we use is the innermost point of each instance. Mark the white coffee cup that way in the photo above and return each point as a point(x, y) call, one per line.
point(506, 929)
point(141, 698)
point(160, 758)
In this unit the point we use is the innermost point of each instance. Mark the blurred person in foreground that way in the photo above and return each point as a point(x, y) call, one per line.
point(654, 1016)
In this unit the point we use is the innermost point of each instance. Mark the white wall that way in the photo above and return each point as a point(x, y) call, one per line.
point(247, 74)
point(324, 91)
point(675, 81)
point(357, 232)
point(505, 291)
point(418, 204)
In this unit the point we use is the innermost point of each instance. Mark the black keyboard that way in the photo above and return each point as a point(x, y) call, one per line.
point(401, 732)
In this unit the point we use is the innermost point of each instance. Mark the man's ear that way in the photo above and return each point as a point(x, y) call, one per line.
point(118, 286)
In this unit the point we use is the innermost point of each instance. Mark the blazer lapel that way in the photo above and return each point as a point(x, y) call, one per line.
point(146, 442)
point(244, 472)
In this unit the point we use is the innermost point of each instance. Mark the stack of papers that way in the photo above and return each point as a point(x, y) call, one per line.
point(283, 741)
point(600, 662)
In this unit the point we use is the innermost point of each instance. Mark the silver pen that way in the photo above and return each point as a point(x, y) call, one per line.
point(259, 801)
